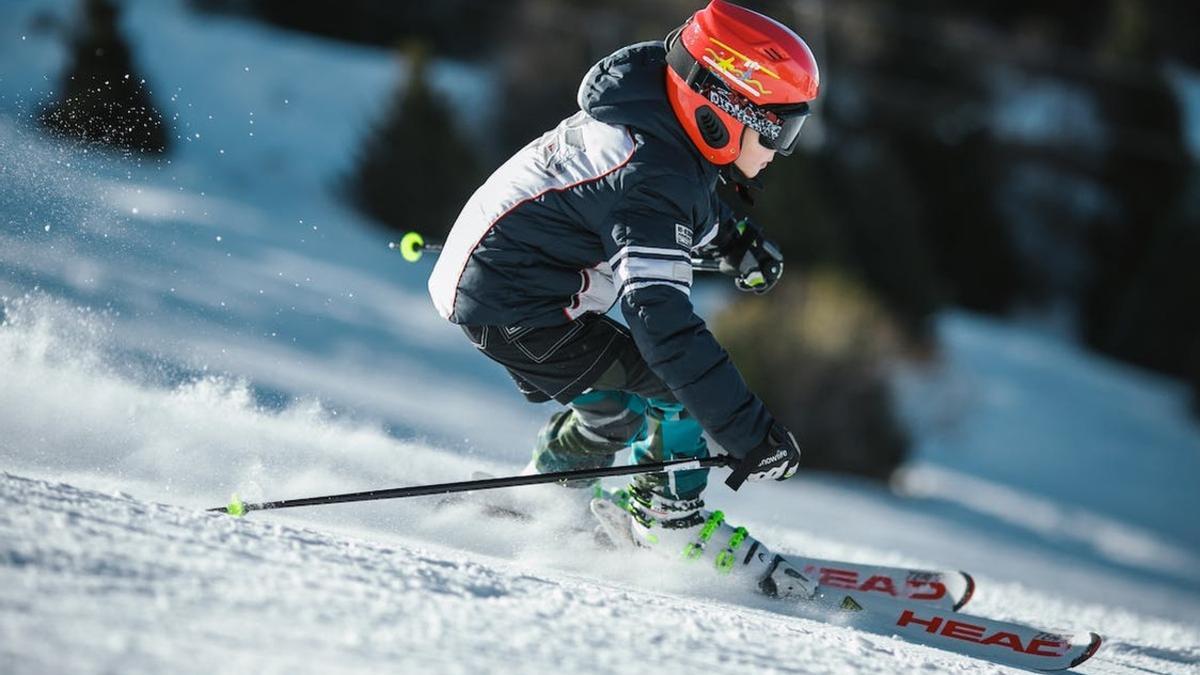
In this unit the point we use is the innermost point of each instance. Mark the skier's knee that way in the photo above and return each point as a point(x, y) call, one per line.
point(619, 430)
point(612, 417)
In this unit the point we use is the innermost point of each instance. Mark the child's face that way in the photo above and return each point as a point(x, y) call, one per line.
point(754, 157)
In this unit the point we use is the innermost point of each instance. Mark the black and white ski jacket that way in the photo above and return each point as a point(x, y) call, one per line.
point(606, 207)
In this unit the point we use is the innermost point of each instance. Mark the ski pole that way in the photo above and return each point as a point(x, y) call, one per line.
point(237, 507)
point(413, 245)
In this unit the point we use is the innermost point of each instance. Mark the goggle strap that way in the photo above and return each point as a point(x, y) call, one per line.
point(682, 62)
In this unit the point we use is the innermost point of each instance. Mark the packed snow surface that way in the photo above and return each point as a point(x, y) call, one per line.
point(174, 331)
point(104, 582)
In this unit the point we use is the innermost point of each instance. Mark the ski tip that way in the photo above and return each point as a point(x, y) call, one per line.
point(970, 591)
point(1091, 650)
point(236, 507)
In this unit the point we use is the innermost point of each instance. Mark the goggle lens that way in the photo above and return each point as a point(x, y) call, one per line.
point(789, 132)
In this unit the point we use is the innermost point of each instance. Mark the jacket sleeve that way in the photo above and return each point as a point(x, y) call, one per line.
point(723, 234)
point(650, 254)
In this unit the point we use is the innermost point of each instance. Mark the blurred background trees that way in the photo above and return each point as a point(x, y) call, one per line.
point(104, 99)
point(1023, 159)
point(415, 169)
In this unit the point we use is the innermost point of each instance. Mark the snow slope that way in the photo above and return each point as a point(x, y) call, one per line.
point(93, 580)
point(174, 332)
point(195, 592)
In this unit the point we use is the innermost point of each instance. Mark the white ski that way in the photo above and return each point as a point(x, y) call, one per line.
point(949, 590)
point(1001, 642)
point(915, 605)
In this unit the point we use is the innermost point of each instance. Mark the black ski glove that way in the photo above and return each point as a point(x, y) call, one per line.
point(777, 457)
point(754, 262)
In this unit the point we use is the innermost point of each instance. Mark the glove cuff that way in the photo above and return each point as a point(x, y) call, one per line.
point(743, 467)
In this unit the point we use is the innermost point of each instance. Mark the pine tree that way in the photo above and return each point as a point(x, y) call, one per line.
point(414, 170)
point(105, 100)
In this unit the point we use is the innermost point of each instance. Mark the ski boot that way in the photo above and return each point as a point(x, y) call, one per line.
point(683, 528)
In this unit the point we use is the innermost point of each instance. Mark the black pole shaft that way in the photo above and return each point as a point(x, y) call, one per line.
point(698, 264)
point(489, 483)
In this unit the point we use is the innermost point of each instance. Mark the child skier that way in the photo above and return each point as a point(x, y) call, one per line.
point(609, 207)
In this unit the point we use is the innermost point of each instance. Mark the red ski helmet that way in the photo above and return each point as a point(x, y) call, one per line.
point(729, 68)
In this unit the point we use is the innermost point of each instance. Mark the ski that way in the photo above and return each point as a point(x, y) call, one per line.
point(915, 605)
point(949, 590)
point(1000, 642)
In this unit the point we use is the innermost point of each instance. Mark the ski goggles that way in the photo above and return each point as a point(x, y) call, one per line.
point(778, 125)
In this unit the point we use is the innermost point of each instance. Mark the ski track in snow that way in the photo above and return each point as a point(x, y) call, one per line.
point(198, 592)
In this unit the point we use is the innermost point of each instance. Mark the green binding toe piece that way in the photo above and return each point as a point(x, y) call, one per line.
point(237, 507)
point(411, 245)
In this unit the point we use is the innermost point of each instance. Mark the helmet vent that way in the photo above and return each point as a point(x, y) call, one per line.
point(711, 128)
point(773, 54)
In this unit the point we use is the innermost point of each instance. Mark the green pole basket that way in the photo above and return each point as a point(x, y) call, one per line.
point(411, 245)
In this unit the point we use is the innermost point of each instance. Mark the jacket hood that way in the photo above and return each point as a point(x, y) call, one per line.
point(628, 87)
